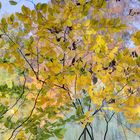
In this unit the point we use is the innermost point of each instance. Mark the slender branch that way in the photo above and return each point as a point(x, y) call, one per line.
point(65, 32)
point(91, 130)
point(106, 129)
point(17, 134)
point(72, 101)
point(81, 105)
point(124, 132)
point(107, 124)
point(82, 133)
point(37, 51)
point(35, 102)
point(89, 133)
point(28, 63)
point(8, 37)
point(66, 89)
point(17, 99)
point(121, 89)
point(19, 107)
point(21, 93)
point(97, 110)
point(35, 73)
point(89, 124)
point(64, 59)
point(127, 127)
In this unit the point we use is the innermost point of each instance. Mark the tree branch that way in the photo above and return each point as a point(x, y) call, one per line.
point(107, 124)
point(17, 99)
point(35, 102)
point(82, 133)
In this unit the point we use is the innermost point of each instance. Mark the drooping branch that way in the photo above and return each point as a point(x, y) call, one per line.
point(127, 127)
point(124, 132)
point(23, 91)
point(33, 108)
point(19, 106)
point(28, 63)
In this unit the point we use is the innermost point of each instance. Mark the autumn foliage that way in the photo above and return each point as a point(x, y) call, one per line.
point(69, 65)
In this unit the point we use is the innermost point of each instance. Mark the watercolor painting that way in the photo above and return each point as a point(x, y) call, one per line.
point(69, 69)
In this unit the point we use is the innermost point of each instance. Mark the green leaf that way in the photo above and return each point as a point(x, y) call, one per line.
point(39, 18)
point(12, 17)
point(38, 6)
point(33, 130)
point(78, 111)
point(44, 7)
point(3, 21)
point(60, 133)
point(3, 108)
point(45, 136)
point(13, 2)
point(25, 10)
point(136, 38)
point(9, 124)
point(69, 23)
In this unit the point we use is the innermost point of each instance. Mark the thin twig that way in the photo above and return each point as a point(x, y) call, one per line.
point(35, 102)
point(124, 132)
point(91, 130)
point(127, 127)
point(81, 134)
point(37, 51)
point(107, 124)
point(17, 99)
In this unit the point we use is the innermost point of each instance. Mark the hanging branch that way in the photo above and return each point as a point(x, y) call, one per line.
point(19, 107)
point(127, 127)
point(34, 106)
point(107, 124)
point(23, 91)
point(124, 132)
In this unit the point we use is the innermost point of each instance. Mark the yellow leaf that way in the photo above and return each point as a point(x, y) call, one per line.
point(69, 23)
